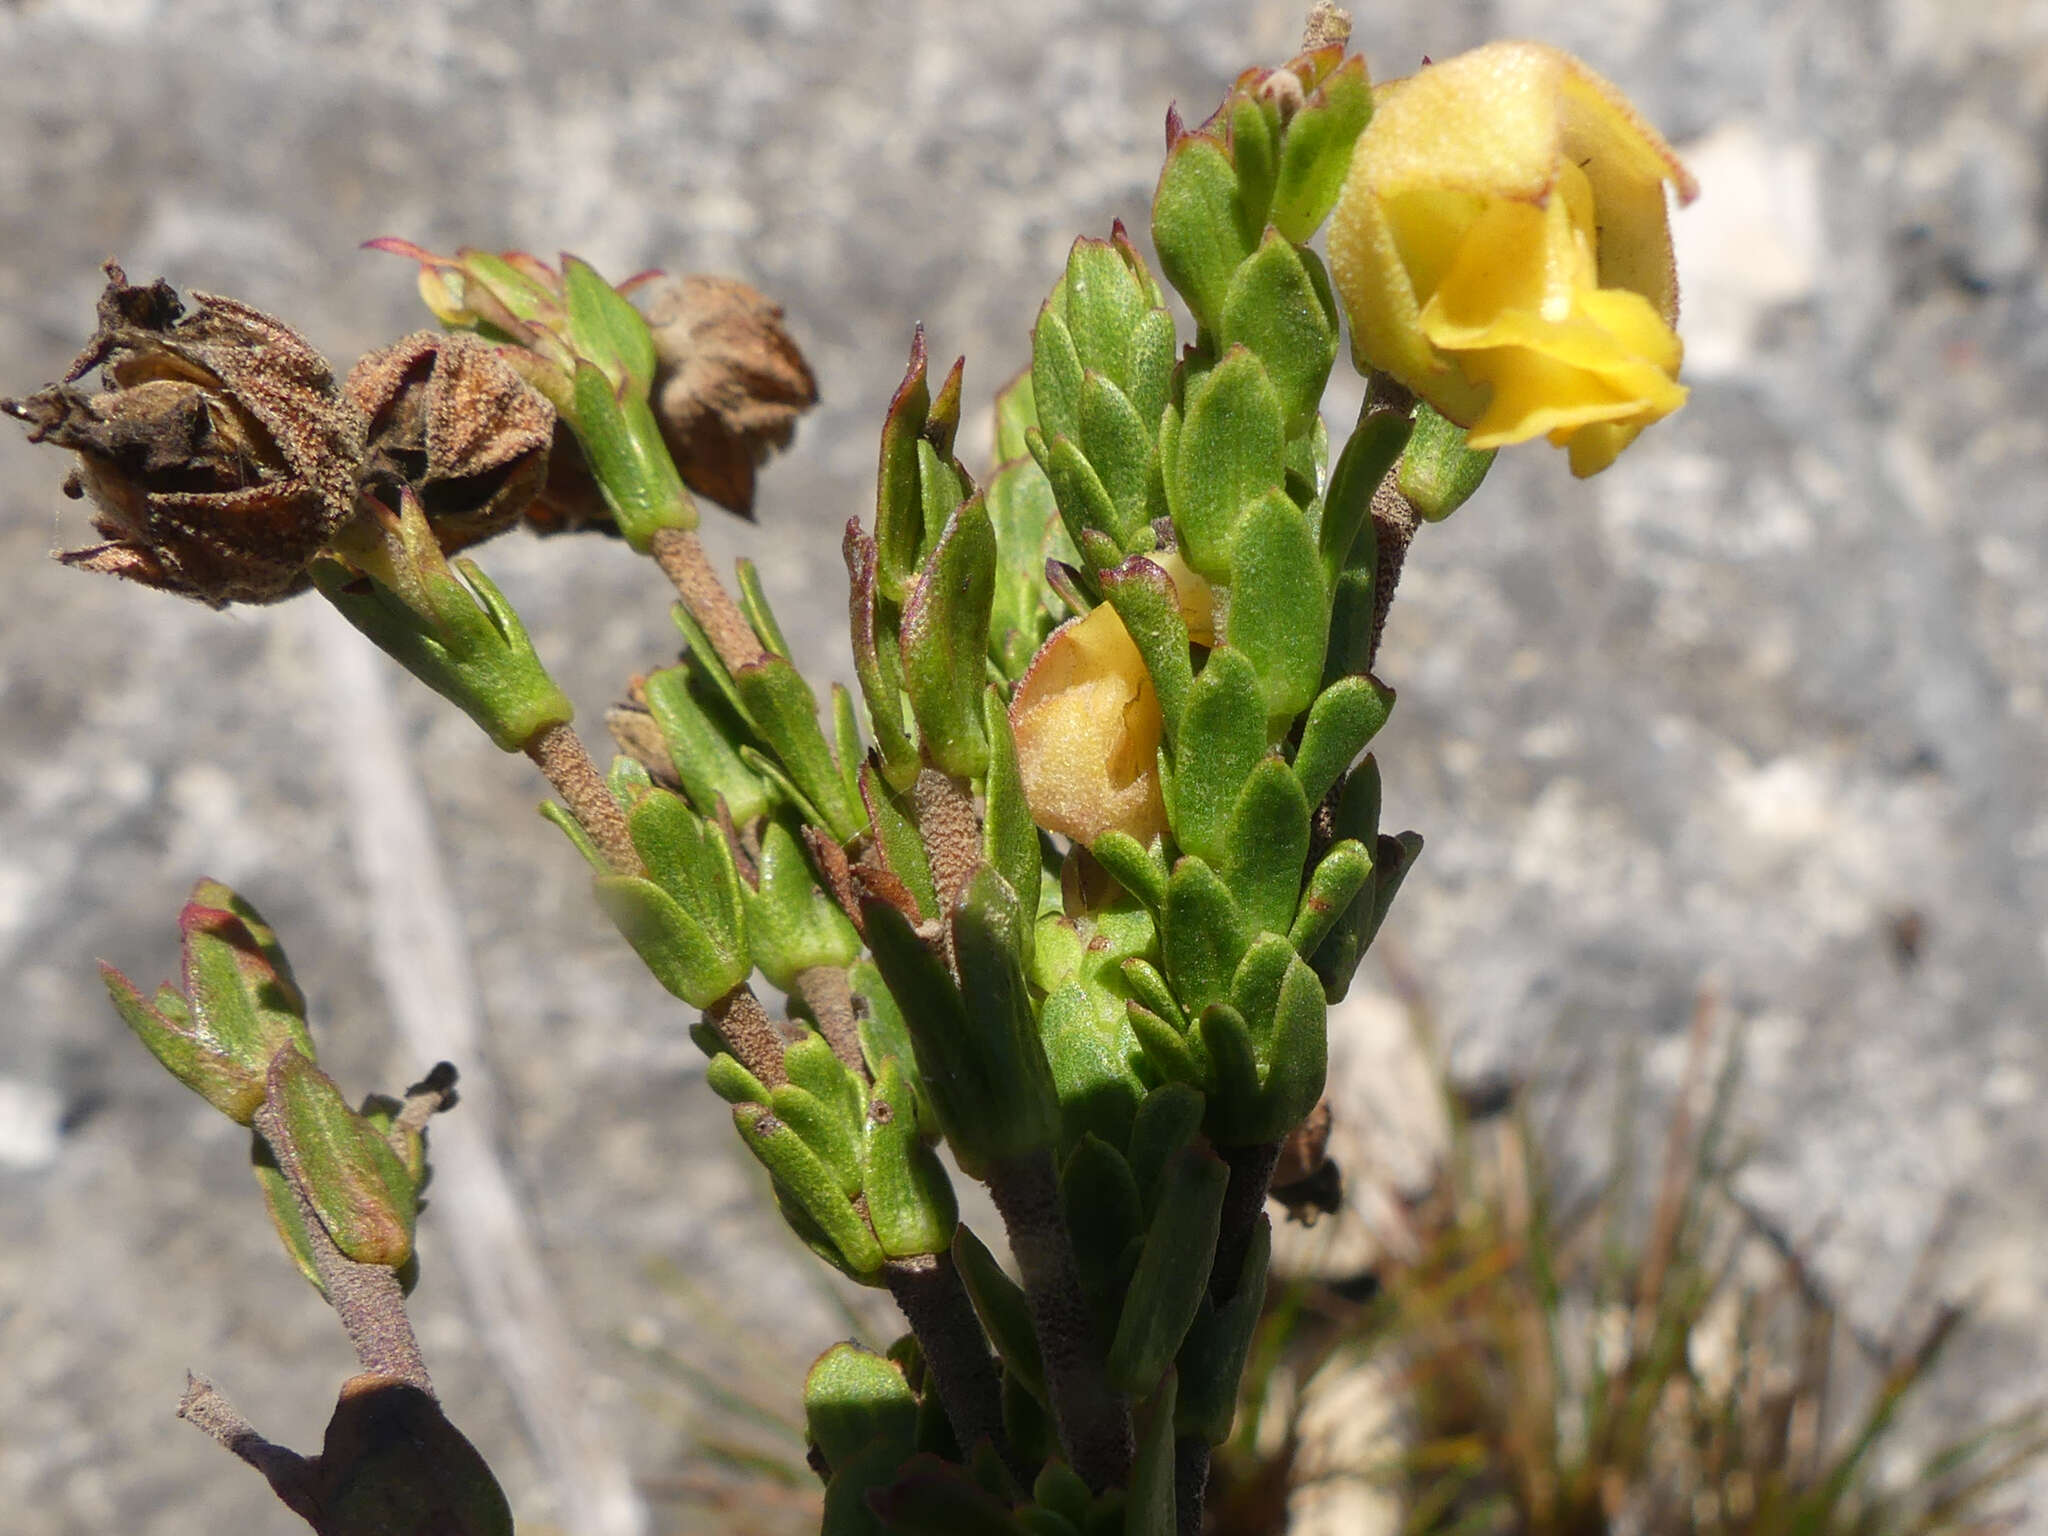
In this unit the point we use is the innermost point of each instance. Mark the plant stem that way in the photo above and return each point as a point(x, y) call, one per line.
point(289, 1474)
point(681, 557)
point(1094, 1423)
point(366, 1297)
point(828, 992)
point(935, 1303)
point(743, 1024)
point(560, 754)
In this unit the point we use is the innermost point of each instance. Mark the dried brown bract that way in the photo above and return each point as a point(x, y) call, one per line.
point(728, 386)
point(448, 416)
point(217, 456)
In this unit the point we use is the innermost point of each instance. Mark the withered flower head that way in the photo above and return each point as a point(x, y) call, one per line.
point(448, 416)
point(217, 456)
point(729, 383)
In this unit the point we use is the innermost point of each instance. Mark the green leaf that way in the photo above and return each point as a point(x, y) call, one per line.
point(1009, 837)
point(753, 603)
point(1025, 518)
point(1118, 445)
point(1347, 504)
point(1104, 303)
point(1091, 1071)
point(454, 631)
point(909, 1197)
point(703, 737)
point(1212, 1360)
point(1139, 870)
point(823, 1130)
point(877, 661)
point(1106, 1222)
point(621, 442)
point(1016, 409)
point(1166, 1123)
point(358, 1188)
point(945, 642)
point(983, 1068)
point(1222, 738)
point(1279, 615)
point(674, 946)
point(1268, 844)
point(1055, 374)
point(1229, 453)
point(1315, 155)
point(902, 848)
point(1151, 1510)
point(781, 707)
point(1255, 156)
point(1343, 719)
point(1235, 1111)
point(791, 922)
point(1203, 934)
point(1152, 361)
point(1276, 307)
point(899, 502)
point(1297, 1052)
point(1333, 887)
point(605, 327)
point(807, 1182)
point(1144, 598)
point(1173, 1270)
point(733, 1082)
point(1197, 226)
point(1438, 472)
point(1086, 507)
point(854, 1398)
point(999, 1303)
point(942, 488)
point(1165, 1046)
point(1150, 988)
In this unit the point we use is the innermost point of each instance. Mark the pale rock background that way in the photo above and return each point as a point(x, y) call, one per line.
point(1721, 718)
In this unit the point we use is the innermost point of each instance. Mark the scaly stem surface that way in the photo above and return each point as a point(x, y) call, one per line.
point(560, 754)
point(935, 1303)
point(1094, 1423)
point(680, 554)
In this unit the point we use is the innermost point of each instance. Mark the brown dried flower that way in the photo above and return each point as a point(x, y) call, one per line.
point(729, 383)
point(448, 416)
point(218, 456)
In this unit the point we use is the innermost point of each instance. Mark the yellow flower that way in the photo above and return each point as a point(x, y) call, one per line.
point(1502, 250)
point(1088, 724)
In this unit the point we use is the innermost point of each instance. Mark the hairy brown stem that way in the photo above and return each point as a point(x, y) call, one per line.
point(950, 829)
point(366, 1297)
point(828, 992)
point(289, 1474)
point(560, 754)
point(1094, 1423)
point(680, 554)
point(743, 1024)
point(935, 1303)
point(1394, 523)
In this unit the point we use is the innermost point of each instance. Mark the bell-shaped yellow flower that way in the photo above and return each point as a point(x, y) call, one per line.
point(1502, 250)
point(1088, 723)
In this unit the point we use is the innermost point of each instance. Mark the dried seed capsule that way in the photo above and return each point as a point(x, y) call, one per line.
point(217, 457)
point(450, 417)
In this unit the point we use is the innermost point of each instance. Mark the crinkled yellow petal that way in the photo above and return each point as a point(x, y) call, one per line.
point(1502, 249)
point(1088, 726)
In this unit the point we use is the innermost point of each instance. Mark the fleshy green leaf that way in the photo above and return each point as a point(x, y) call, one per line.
point(1229, 453)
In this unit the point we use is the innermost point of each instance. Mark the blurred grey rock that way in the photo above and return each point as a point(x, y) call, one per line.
point(1741, 713)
